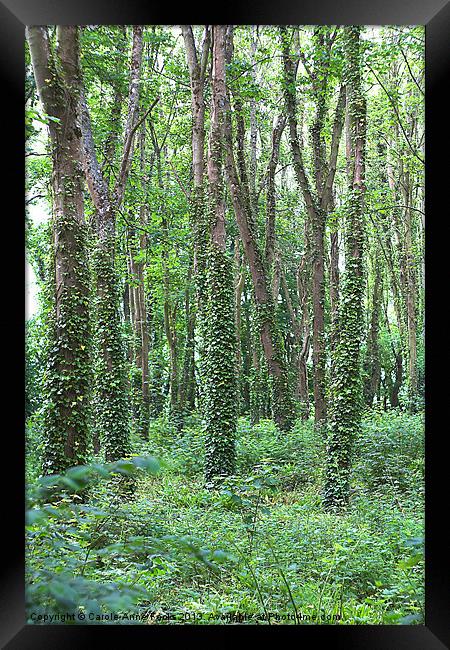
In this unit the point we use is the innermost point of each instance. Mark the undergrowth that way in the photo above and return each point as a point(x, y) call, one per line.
point(146, 542)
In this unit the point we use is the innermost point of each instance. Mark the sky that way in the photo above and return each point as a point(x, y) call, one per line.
point(38, 214)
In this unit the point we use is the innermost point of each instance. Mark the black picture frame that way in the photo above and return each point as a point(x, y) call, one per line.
point(435, 15)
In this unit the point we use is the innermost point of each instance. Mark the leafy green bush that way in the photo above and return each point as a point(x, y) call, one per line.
point(296, 458)
point(390, 450)
point(66, 536)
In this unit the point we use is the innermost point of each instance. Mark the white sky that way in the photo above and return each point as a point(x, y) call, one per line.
point(38, 213)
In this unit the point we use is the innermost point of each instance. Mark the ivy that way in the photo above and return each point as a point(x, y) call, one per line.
point(220, 367)
point(111, 386)
point(67, 378)
point(346, 390)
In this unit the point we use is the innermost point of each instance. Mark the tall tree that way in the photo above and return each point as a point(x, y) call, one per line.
point(220, 348)
point(271, 340)
point(112, 412)
point(318, 201)
point(57, 75)
point(197, 60)
point(138, 301)
point(346, 381)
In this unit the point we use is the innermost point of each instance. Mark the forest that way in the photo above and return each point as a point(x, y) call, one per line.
point(225, 324)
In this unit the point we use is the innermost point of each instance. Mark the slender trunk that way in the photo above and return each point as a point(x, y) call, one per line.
point(187, 386)
point(141, 298)
point(301, 336)
point(238, 290)
point(271, 198)
point(410, 291)
point(302, 392)
point(372, 361)
point(346, 389)
point(282, 404)
point(221, 416)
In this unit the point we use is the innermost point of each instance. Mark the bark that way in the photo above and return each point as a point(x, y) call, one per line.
point(253, 125)
point(271, 198)
point(187, 387)
point(68, 374)
point(398, 379)
point(303, 281)
point(197, 69)
point(300, 329)
point(138, 245)
point(197, 64)
point(372, 361)
point(410, 293)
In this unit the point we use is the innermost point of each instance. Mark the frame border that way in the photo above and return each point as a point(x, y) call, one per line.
point(435, 15)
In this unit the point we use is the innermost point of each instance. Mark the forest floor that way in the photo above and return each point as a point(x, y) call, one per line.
point(260, 549)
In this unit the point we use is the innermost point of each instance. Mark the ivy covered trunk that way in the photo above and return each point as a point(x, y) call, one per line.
point(111, 390)
point(67, 380)
point(197, 63)
point(346, 381)
point(220, 333)
point(111, 386)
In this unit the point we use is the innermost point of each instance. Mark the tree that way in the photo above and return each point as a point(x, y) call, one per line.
point(220, 347)
point(346, 387)
point(282, 403)
point(197, 60)
point(112, 414)
point(318, 202)
point(67, 384)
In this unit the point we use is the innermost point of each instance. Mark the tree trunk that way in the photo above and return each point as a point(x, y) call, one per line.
point(283, 407)
point(238, 290)
point(221, 416)
point(302, 392)
point(111, 398)
point(67, 383)
point(186, 396)
point(372, 361)
point(197, 64)
point(346, 389)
